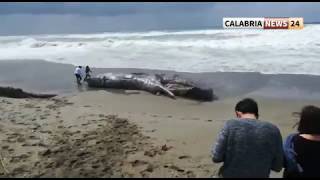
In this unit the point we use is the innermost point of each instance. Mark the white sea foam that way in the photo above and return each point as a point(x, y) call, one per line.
point(266, 51)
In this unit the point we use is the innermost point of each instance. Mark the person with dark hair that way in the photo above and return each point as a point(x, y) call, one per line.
point(88, 70)
point(302, 149)
point(247, 146)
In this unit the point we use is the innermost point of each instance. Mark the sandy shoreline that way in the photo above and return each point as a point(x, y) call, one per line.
point(47, 77)
point(130, 133)
point(40, 132)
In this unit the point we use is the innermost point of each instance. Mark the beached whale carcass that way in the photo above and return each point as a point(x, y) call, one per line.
point(158, 83)
point(185, 88)
point(130, 82)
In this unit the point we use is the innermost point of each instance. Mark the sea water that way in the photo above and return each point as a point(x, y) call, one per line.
point(211, 50)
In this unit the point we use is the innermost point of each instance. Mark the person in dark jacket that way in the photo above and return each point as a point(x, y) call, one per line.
point(302, 149)
point(88, 70)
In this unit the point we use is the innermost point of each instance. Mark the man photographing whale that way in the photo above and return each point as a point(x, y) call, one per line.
point(248, 147)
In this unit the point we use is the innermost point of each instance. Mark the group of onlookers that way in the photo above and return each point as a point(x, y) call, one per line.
point(249, 147)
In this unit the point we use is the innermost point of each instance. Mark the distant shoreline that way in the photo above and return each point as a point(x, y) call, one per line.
point(18, 61)
point(135, 31)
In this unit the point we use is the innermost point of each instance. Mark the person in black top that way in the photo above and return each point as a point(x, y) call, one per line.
point(302, 149)
point(88, 70)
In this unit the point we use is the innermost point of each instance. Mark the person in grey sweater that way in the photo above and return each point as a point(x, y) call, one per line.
point(247, 146)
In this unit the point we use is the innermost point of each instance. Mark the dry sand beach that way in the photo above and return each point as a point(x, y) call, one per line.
point(115, 133)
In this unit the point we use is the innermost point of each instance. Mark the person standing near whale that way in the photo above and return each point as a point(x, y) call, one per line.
point(88, 70)
point(77, 73)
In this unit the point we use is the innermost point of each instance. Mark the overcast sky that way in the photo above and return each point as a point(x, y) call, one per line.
point(84, 17)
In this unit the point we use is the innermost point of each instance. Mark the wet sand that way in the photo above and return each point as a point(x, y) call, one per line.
point(47, 77)
point(116, 133)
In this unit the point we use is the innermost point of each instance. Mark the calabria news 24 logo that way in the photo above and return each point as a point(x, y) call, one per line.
point(263, 23)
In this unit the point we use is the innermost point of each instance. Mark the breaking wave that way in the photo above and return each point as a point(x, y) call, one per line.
point(217, 50)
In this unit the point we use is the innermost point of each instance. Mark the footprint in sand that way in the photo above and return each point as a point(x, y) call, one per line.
point(174, 167)
point(184, 157)
point(190, 174)
point(95, 166)
point(23, 116)
point(22, 156)
point(138, 163)
point(101, 115)
point(29, 106)
point(26, 144)
point(151, 153)
point(22, 123)
point(36, 127)
point(150, 168)
point(21, 139)
point(33, 137)
point(153, 130)
point(166, 148)
point(11, 150)
point(45, 132)
point(5, 147)
point(77, 132)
